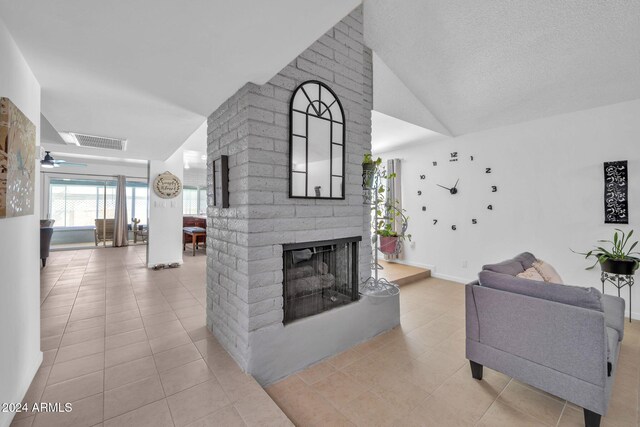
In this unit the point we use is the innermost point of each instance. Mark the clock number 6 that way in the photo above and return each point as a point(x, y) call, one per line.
point(453, 227)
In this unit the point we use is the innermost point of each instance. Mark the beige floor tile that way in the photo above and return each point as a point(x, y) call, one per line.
point(257, 409)
point(132, 396)
point(76, 351)
point(177, 356)
point(225, 417)
point(543, 407)
point(82, 335)
point(126, 338)
point(345, 358)
point(316, 372)
point(196, 402)
point(167, 342)
point(470, 396)
point(129, 372)
point(575, 418)
point(75, 368)
point(501, 415)
point(370, 410)
point(127, 353)
point(163, 329)
point(155, 414)
point(124, 326)
point(185, 376)
point(86, 413)
point(75, 389)
point(23, 422)
point(339, 389)
point(434, 412)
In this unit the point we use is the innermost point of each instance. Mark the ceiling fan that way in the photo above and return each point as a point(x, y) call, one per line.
point(50, 162)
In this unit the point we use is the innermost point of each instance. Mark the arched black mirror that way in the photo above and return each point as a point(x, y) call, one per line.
point(316, 143)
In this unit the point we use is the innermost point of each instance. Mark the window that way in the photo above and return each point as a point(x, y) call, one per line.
point(316, 143)
point(79, 202)
point(194, 200)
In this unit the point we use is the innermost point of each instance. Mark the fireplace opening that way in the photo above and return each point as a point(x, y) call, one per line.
point(319, 276)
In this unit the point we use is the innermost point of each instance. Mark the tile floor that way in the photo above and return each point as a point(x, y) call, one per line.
point(129, 347)
point(417, 375)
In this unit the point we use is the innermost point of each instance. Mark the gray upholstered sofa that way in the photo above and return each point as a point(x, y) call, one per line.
point(561, 339)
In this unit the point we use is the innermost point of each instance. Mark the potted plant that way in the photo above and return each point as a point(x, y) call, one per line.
point(369, 167)
point(619, 259)
point(385, 228)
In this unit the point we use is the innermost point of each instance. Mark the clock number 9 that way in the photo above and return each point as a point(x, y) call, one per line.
point(419, 193)
point(490, 207)
point(494, 189)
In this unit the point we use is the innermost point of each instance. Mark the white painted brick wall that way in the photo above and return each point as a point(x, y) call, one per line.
point(244, 283)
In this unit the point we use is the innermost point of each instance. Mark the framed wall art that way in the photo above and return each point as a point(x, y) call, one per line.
point(616, 192)
point(221, 182)
point(17, 161)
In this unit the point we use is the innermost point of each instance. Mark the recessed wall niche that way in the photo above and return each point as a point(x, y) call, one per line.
point(316, 143)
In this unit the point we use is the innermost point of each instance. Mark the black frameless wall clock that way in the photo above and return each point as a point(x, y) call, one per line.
point(616, 191)
point(444, 185)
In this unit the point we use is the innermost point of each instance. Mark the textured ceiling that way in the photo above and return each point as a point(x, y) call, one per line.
point(152, 70)
point(389, 132)
point(393, 98)
point(482, 64)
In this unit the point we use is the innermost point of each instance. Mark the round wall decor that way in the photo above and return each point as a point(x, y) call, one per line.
point(167, 185)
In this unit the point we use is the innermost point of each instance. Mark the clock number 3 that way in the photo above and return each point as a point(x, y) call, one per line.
point(494, 189)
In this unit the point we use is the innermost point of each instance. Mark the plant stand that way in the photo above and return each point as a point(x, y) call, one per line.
point(619, 281)
point(376, 286)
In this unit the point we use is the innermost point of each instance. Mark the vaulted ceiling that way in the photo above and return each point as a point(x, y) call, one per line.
point(152, 70)
point(482, 64)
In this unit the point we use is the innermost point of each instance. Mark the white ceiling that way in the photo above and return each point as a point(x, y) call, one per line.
point(152, 70)
point(482, 64)
point(393, 98)
point(388, 133)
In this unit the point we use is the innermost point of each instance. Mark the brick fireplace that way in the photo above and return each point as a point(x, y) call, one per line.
point(246, 242)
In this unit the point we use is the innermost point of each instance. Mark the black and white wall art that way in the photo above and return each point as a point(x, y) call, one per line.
point(616, 181)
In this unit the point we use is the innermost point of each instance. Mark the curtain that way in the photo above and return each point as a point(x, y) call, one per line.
point(121, 222)
point(394, 195)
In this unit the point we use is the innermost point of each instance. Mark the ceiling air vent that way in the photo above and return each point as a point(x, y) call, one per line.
point(92, 141)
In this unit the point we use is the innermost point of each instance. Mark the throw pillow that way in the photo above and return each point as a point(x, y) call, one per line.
point(548, 273)
point(531, 274)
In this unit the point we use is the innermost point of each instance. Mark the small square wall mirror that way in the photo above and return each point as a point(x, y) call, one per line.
point(316, 143)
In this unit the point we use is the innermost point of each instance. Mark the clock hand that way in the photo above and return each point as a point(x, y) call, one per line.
point(443, 187)
point(456, 183)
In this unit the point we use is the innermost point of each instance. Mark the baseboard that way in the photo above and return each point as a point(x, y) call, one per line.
point(461, 280)
point(434, 272)
point(7, 417)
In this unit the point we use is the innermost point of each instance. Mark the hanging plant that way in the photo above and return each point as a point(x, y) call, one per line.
point(391, 225)
point(369, 167)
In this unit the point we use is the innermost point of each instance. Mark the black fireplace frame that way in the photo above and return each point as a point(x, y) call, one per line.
point(355, 256)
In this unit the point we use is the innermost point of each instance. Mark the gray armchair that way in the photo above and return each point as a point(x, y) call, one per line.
point(561, 339)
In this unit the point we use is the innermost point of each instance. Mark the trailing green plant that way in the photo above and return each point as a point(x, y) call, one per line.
point(388, 212)
point(618, 251)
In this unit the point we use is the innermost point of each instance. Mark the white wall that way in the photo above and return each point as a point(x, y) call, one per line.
point(550, 196)
point(165, 215)
point(20, 354)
